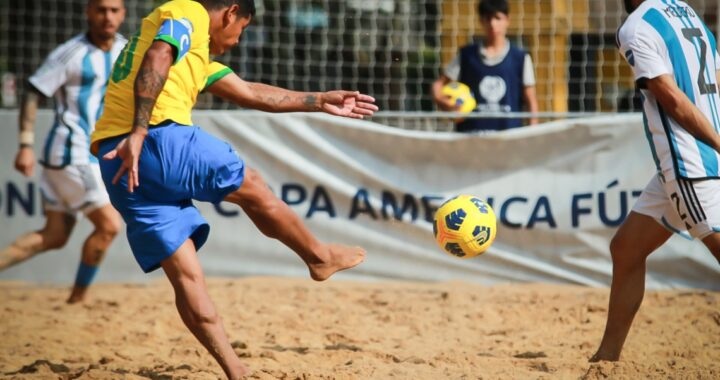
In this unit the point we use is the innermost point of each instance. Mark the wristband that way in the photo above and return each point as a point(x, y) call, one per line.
point(27, 138)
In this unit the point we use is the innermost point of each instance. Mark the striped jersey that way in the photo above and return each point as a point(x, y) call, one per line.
point(668, 37)
point(75, 74)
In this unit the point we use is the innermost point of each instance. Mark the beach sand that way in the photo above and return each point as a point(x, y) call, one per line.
point(286, 328)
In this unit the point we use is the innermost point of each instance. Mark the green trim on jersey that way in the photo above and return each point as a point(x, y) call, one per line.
point(217, 76)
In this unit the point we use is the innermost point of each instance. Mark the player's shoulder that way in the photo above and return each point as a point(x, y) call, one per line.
point(66, 51)
point(184, 4)
point(627, 29)
point(186, 8)
point(470, 48)
point(635, 26)
point(120, 39)
point(517, 51)
point(191, 14)
point(119, 43)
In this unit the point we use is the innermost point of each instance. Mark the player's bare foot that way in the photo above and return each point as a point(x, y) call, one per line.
point(339, 257)
point(600, 356)
point(241, 372)
point(77, 295)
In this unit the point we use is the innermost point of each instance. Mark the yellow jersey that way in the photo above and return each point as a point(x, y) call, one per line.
point(184, 24)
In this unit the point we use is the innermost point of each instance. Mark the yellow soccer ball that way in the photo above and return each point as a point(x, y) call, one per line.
point(460, 95)
point(465, 226)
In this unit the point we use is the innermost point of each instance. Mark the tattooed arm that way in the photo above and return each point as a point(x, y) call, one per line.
point(275, 99)
point(150, 79)
point(264, 97)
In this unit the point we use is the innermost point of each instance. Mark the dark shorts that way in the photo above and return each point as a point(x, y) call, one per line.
point(178, 164)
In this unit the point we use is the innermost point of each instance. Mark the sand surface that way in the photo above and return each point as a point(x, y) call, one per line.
point(295, 329)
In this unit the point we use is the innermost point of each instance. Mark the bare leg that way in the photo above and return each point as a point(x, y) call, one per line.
point(197, 310)
point(276, 220)
point(712, 242)
point(54, 235)
point(107, 224)
point(636, 239)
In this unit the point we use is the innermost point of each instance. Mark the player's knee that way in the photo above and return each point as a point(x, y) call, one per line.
point(259, 197)
point(618, 250)
point(625, 256)
point(254, 186)
point(54, 239)
point(108, 228)
point(270, 209)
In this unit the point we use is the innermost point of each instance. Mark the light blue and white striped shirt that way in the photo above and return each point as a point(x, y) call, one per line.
point(75, 74)
point(668, 37)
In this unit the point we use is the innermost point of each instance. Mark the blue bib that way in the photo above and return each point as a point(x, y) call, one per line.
point(496, 88)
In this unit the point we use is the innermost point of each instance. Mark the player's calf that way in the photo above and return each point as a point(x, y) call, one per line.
point(107, 226)
point(197, 310)
point(275, 219)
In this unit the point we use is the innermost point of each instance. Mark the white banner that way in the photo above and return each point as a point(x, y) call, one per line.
point(560, 190)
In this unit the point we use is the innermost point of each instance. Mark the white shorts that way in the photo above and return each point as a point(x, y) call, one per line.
point(689, 208)
point(73, 188)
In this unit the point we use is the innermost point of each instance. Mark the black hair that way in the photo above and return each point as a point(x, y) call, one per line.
point(247, 7)
point(488, 8)
point(91, 2)
point(629, 6)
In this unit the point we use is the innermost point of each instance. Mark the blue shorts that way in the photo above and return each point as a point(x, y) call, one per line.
point(178, 164)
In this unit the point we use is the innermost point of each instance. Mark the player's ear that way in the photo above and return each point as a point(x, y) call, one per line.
point(231, 14)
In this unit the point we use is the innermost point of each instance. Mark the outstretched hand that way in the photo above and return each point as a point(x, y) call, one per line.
point(351, 104)
point(128, 150)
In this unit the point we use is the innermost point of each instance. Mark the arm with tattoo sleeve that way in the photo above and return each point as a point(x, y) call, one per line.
point(275, 99)
point(149, 82)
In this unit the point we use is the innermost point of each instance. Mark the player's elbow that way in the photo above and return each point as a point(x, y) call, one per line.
point(160, 53)
point(667, 93)
point(672, 105)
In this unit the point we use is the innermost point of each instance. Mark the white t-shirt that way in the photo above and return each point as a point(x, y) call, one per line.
point(75, 74)
point(452, 70)
point(668, 37)
point(387, 6)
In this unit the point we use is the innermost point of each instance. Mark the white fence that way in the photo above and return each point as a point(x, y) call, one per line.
point(559, 190)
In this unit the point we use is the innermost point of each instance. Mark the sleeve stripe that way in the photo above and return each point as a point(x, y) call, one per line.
point(217, 76)
point(66, 55)
point(172, 42)
point(38, 87)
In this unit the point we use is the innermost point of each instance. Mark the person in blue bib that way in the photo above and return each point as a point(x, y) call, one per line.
point(500, 76)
